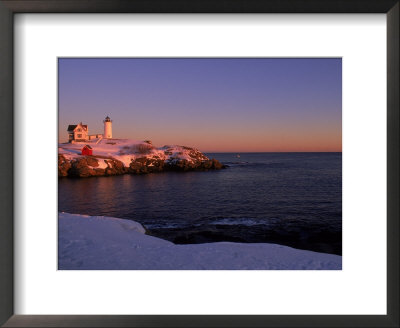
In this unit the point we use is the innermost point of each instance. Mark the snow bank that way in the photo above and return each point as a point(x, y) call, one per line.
point(126, 150)
point(105, 243)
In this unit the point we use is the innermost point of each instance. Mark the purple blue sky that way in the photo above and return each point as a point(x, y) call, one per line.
point(228, 104)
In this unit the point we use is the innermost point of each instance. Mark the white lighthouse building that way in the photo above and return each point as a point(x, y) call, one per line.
point(107, 128)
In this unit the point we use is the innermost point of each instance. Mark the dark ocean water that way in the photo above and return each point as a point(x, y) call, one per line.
point(292, 199)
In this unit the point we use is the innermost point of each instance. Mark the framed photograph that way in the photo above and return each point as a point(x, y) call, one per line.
point(182, 164)
point(218, 175)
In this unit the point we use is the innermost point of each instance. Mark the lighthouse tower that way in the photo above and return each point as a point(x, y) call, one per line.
point(107, 128)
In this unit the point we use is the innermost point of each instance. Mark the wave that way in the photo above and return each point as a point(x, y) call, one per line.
point(165, 225)
point(268, 165)
point(238, 221)
point(236, 163)
point(248, 222)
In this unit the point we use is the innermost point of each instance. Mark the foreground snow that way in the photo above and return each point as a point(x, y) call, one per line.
point(105, 243)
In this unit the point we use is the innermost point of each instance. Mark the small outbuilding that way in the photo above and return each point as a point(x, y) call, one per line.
point(87, 150)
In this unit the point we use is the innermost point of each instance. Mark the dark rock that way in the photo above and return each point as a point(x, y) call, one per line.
point(91, 161)
point(114, 167)
point(141, 160)
point(79, 163)
point(207, 164)
point(87, 166)
point(216, 164)
point(99, 172)
point(78, 170)
point(63, 166)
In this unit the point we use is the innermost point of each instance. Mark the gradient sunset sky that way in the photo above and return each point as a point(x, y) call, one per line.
point(215, 105)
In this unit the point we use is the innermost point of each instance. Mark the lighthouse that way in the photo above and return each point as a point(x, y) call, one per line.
point(107, 128)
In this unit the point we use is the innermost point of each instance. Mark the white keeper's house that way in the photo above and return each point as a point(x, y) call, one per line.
point(80, 132)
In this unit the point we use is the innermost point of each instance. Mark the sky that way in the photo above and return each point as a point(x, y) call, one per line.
point(212, 104)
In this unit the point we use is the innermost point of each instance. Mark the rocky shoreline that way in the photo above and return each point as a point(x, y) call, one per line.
point(88, 166)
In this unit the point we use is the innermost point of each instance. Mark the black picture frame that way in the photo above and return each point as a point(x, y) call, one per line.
point(10, 7)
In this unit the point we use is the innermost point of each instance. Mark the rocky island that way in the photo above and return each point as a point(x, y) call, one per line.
point(109, 157)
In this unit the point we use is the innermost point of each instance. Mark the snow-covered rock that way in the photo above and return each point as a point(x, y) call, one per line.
point(120, 156)
point(104, 243)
